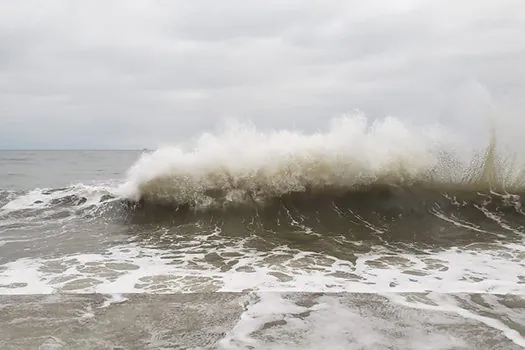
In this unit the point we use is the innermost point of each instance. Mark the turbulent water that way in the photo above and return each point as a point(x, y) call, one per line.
point(406, 215)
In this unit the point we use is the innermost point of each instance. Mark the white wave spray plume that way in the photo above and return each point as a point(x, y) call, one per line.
point(242, 163)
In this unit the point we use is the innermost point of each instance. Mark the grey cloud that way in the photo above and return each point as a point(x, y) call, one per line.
point(229, 19)
point(135, 74)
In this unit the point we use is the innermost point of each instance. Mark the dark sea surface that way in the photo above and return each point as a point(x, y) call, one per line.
point(117, 250)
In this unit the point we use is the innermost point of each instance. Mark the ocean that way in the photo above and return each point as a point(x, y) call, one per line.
point(359, 237)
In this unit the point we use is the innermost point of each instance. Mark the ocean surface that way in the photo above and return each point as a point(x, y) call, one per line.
point(360, 237)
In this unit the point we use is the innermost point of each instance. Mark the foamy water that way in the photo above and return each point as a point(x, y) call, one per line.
point(131, 269)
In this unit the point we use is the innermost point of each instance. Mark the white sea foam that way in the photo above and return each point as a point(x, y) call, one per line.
point(446, 303)
point(40, 198)
point(134, 269)
point(335, 322)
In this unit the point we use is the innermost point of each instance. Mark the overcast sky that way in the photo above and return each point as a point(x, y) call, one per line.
point(135, 74)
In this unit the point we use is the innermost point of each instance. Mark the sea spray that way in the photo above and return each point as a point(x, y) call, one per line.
point(242, 164)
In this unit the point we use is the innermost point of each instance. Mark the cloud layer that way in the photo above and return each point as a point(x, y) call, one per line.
point(125, 74)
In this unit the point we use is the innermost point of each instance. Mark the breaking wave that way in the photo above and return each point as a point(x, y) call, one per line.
point(384, 178)
point(243, 165)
